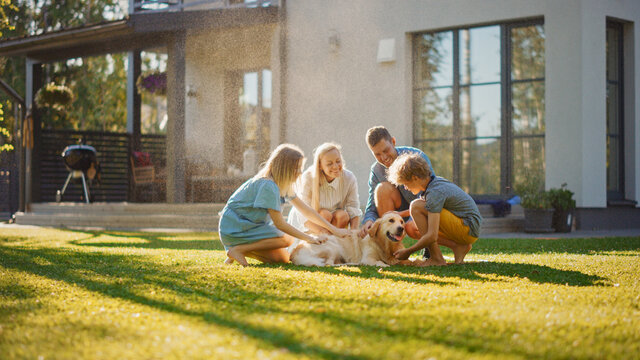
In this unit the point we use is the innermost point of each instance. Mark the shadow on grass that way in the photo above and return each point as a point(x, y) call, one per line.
point(222, 302)
point(470, 271)
point(150, 241)
point(129, 271)
point(582, 246)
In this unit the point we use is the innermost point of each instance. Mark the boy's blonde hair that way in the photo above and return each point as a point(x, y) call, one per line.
point(284, 167)
point(405, 167)
point(317, 171)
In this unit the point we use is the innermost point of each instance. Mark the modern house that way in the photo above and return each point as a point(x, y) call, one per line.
point(495, 92)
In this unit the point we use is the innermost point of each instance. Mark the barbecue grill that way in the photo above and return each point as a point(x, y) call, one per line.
point(78, 159)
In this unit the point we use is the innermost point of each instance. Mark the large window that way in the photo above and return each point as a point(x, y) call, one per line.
point(615, 146)
point(247, 118)
point(479, 104)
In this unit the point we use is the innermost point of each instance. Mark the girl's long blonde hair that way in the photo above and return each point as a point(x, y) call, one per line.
point(317, 172)
point(283, 166)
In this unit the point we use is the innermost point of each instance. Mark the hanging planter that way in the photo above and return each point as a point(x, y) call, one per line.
point(152, 83)
point(56, 97)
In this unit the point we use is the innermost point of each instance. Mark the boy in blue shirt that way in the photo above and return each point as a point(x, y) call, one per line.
point(444, 214)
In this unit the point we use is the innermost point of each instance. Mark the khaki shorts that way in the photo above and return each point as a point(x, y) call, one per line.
point(454, 229)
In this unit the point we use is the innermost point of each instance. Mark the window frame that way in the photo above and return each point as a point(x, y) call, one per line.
point(619, 194)
point(506, 83)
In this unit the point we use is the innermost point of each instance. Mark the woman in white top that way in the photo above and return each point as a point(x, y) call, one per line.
point(330, 189)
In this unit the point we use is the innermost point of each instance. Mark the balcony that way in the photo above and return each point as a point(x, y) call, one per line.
point(145, 6)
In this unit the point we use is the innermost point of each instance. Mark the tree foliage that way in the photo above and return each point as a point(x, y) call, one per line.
point(5, 133)
point(99, 83)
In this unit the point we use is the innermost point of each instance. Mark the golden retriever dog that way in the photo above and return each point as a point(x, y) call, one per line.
point(377, 248)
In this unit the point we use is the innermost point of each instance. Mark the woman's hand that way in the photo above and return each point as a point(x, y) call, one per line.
point(339, 232)
point(317, 239)
point(364, 230)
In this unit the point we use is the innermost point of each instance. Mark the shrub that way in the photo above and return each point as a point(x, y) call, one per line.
point(562, 198)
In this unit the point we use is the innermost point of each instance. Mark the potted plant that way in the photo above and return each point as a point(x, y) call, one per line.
point(53, 101)
point(538, 211)
point(563, 205)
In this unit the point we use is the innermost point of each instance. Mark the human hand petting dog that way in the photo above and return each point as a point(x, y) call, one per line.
point(364, 230)
point(403, 254)
point(317, 239)
point(339, 232)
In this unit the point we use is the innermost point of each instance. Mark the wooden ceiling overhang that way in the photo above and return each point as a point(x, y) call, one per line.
point(138, 31)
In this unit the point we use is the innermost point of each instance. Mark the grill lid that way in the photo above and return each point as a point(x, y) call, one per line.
point(79, 157)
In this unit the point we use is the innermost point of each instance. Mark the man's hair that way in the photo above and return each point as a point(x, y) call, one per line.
point(376, 134)
point(406, 167)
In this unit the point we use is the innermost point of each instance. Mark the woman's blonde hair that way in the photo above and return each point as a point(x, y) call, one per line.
point(318, 153)
point(284, 167)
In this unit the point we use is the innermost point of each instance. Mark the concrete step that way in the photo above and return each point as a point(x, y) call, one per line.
point(202, 217)
point(121, 221)
point(126, 208)
point(496, 225)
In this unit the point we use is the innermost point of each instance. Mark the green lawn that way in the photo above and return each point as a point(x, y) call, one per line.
point(119, 295)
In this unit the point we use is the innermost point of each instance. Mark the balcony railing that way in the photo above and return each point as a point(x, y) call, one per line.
point(138, 6)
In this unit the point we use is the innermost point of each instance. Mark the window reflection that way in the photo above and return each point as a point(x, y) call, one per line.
point(435, 60)
point(527, 52)
point(441, 155)
point(528, 108)
point(436, 118)
point(247, 118)
point(480, 55)
point(470, 126)
point(528, 158)
point(480, 170)
point(480, 110)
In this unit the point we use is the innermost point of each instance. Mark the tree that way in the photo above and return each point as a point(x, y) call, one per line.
point(101, 80)
point(5, 133)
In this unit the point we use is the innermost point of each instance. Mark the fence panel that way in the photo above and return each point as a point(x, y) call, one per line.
point(113, 152)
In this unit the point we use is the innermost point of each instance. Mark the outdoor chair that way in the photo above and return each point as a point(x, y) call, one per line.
point(148, 186)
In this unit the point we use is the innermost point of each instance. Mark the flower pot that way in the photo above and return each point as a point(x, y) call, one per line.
point(538, 220)
point(562, 220)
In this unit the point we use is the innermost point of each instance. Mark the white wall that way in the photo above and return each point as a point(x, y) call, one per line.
point(338, 95)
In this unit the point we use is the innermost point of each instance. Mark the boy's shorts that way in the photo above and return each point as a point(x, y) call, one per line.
point(454, 229)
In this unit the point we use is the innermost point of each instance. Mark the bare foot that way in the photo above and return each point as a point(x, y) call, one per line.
point(236, 255)
point(459, 252)
point(229, 261)
point(431, 262)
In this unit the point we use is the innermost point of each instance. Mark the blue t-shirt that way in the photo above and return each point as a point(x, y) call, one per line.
point(379, 174)
point(245, 218)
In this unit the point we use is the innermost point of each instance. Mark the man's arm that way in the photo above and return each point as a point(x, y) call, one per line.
point(371, 212)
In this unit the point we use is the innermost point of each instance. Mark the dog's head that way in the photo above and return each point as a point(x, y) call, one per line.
point(390, 225)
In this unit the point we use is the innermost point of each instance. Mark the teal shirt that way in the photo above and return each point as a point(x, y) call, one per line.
point(245, 218)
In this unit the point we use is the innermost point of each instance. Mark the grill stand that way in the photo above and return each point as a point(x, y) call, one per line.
point(74, 174)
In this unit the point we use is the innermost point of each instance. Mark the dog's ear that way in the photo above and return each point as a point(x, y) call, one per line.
point(374, 229)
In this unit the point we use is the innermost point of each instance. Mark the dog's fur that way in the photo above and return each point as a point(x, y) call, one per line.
point(377, 248)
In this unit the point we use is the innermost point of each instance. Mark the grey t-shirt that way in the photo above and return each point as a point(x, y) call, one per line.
point(441, 193)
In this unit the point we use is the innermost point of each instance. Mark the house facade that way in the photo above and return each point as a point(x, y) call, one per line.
point(495, 92)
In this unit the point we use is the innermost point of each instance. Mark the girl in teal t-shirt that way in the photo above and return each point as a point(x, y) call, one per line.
point(251, 223)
